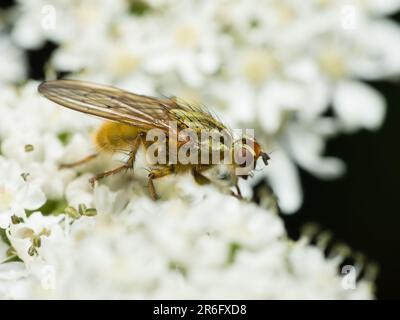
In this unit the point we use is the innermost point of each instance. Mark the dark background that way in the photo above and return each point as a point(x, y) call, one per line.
point(362, 208)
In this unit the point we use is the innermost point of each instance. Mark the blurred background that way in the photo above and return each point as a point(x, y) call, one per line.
point(359, 207)
point(363, 205)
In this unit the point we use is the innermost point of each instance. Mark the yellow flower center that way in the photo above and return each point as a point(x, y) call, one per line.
point(285, 14)
point(258, 65)
point(87, 14)
point(6, 198)
point(332, 62)
point(186, 36)
point(123, 62)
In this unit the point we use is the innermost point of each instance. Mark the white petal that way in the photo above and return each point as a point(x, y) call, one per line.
point(12, 270)
point(188, 70)
point(79, 191)
point(5, 219)
point(12, 62)
point(307, 148)
point(208, 62)
point(378, 46)
point(277, 98)
point(161, 63)
point(27, 34)
point(31, 197)
point(316, 100)
point(21, 246)
point(358, 105)
point(285, 181)
point(269, 116)
point(383, 6)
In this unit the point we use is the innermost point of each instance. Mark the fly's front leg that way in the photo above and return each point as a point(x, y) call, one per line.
point(128, 165)
point(135, 147)
point(156, 173)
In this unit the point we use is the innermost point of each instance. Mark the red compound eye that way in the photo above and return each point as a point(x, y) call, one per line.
point(244, 157)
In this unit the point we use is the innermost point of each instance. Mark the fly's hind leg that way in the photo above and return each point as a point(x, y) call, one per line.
point(156, 173)
point(101, 175)
point(128, 165)
point(238, 193)
point(199, 177)
point(79, 162)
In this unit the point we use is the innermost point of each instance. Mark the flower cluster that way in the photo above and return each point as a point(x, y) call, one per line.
point(182, 248)
point(63, 239)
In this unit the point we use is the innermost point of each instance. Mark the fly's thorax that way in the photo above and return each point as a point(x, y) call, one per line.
point(196, 119)
point(187, 119)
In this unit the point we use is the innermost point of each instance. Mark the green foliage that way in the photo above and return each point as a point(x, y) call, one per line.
point(138, 7)
point(51, 207)
point(3, 236)
point(176, 266)
point(64, 137)
point(234, 247)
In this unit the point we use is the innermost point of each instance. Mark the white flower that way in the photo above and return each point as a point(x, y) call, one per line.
point(203, 245)
point(29, 147)
point(285, 181)
point(359, 106)
point(108, 202)
point(29, 238)
point(11, 274)
point(25, 112)
point(383, 6)
point(40, 136)
point(58, 20)
point(307, 144)
point(16, 194)
point(79, 191)
point(39, 157)
point(12, 61)
point(189, 45)
point(36, 242)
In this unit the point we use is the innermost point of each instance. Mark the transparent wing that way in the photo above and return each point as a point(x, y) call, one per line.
point(128, 108)
point(110, 103)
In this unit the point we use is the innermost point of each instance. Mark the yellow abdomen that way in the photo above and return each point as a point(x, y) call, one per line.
point(114, 137)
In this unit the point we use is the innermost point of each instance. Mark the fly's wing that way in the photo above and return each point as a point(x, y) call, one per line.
point(131, 109)
point(110, 103)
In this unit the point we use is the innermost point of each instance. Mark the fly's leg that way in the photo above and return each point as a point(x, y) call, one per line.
point(238, 192)
point(128, 165)
point(156, 173)
point(200, 178)
point(101, 175)
point(79, 162)
point(135, 147)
